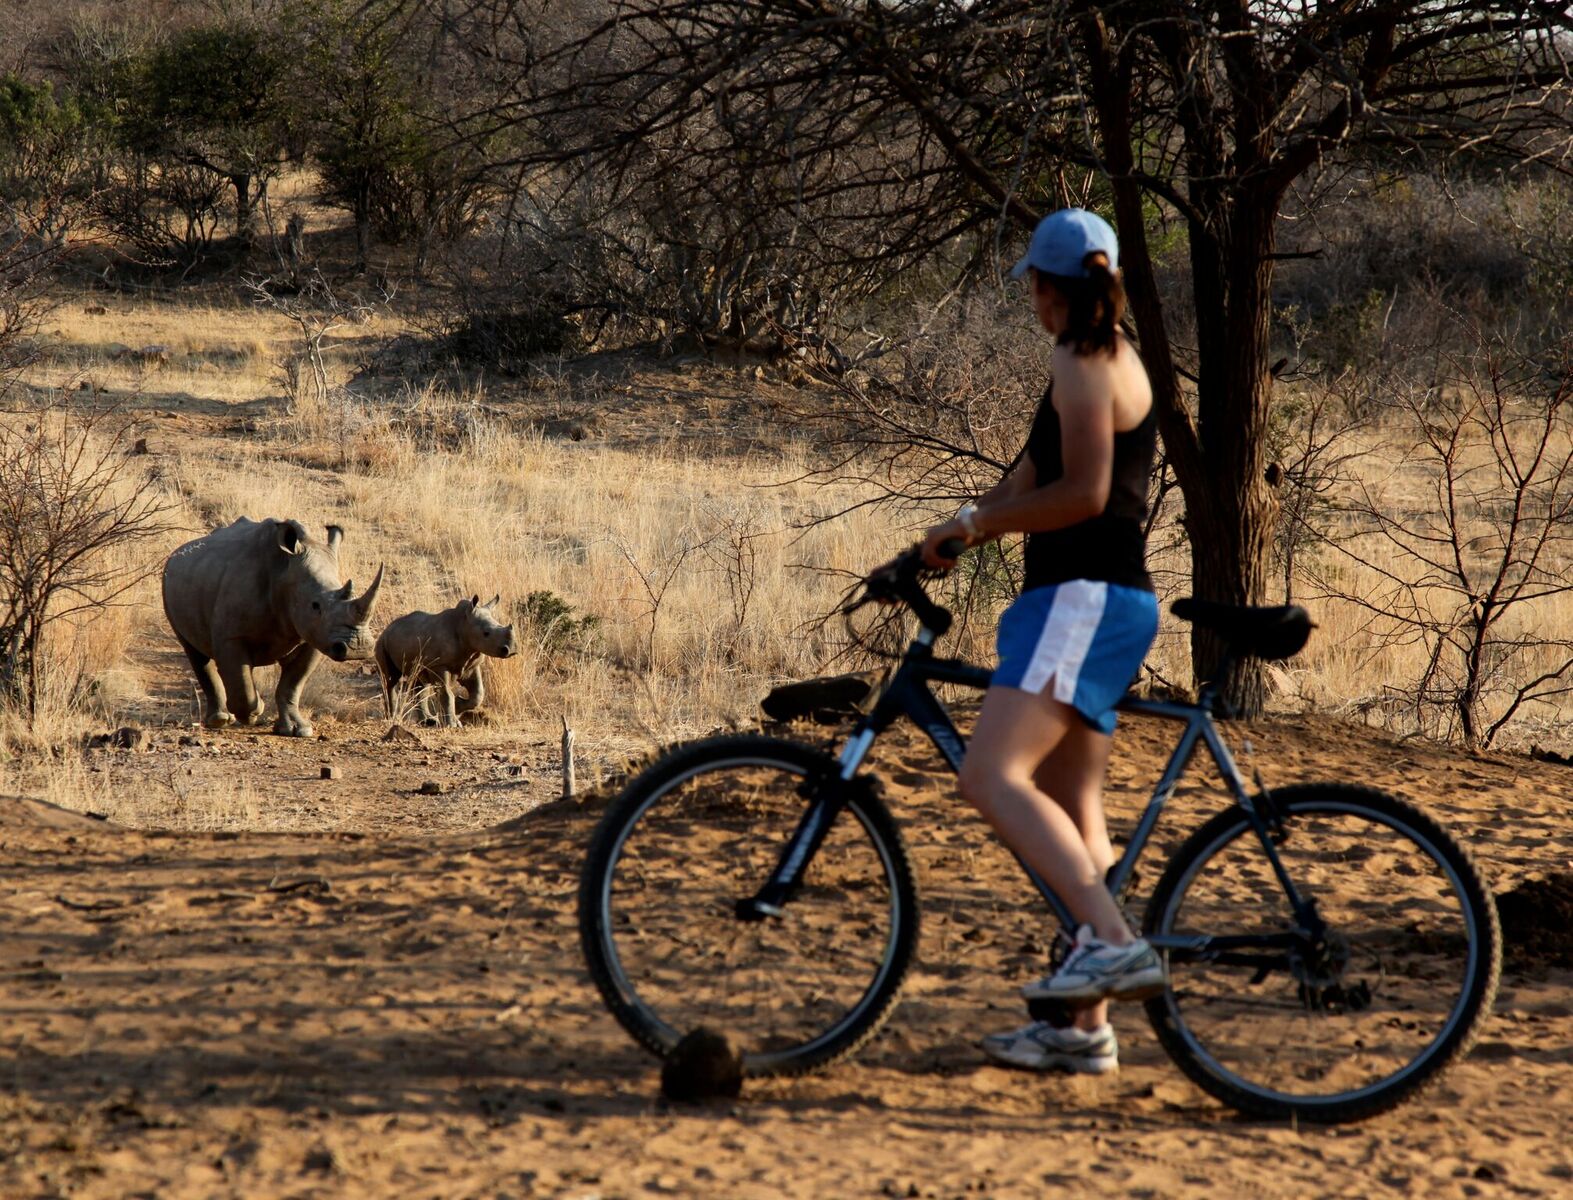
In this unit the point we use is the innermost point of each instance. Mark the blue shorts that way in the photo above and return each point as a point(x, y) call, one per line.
point(1084, 640)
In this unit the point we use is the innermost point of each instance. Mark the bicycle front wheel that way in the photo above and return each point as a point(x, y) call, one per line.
point(1341, 1024)
point(700, 831)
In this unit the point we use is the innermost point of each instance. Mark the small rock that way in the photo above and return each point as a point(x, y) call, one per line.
point(129, 737)
point(319, 1160)
point(433, 787)
point(702, 1066)
point(187, 740)
point(514, 770)
point(140, 446)
point(330, 773)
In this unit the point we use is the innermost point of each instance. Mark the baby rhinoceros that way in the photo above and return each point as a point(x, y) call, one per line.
point(443, 650)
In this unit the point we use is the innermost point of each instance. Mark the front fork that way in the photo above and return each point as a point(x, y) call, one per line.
point(826, 795)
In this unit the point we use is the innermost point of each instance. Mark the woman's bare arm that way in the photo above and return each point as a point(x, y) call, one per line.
point(1017, 481)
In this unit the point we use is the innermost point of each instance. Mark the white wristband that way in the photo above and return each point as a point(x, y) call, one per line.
point(968, 516)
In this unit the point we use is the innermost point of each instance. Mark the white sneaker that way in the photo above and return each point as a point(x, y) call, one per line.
point(1041, 1047)
point(1095, 970)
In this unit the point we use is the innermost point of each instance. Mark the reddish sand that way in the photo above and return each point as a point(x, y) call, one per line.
point(343, 1015)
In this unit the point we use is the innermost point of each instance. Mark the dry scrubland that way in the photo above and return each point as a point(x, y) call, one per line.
point(661, 508)
point(688, 575)
point(375, 992)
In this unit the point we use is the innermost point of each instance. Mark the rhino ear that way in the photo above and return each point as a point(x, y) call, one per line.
point(335, 536)
point(475, 601)
point(292, 537)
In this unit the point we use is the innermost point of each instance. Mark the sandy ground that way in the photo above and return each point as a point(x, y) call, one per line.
point(342, 1014)
point(390, 1001)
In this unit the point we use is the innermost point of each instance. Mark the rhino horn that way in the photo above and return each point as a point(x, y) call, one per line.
point(345, 592)
point(363, 605)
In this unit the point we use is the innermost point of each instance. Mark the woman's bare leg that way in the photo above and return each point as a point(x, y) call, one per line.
point(1072, 775)
point(1016, 735)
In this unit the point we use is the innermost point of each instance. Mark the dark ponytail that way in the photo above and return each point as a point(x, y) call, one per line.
point(1097, 302)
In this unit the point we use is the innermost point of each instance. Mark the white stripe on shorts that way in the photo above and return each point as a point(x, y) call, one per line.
point(1067, 636)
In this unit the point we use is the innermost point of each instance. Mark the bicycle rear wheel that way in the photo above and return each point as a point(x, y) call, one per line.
point(701, 830)
point(1340, 1027)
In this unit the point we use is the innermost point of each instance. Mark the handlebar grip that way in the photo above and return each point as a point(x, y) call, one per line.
point(951, 548)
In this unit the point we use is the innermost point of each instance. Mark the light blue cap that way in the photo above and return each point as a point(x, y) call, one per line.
point(1063, 240)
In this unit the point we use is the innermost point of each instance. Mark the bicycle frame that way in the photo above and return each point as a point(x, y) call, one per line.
point(908, 694)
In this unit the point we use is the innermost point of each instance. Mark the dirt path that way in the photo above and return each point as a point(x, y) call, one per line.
point(347, 1015)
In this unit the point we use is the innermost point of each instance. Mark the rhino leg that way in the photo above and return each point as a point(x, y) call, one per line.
point(475, 689)
point(388, 671)
point(389, 688)
point(450, 714)
point(294, 667)
point(418, 685)
point(214, 714)
point(235, 670)
point(424, 693)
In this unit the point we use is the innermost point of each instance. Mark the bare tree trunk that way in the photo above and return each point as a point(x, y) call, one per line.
point(1231, 534)
point(1217, 454)
point(1231, 512)
point(362, 215)
point(245, 206)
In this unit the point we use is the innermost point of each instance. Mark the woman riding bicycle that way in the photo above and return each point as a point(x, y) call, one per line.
point(1075, 638)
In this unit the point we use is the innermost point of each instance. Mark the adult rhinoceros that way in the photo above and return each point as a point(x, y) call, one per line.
point(256, 593)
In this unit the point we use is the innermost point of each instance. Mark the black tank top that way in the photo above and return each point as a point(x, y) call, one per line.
point(1111, 546)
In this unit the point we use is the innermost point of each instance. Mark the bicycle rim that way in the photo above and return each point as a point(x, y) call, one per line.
point(1360, 1021)
point(670, 952)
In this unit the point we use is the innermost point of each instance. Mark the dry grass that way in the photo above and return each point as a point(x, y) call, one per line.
point(210, 349)
point(698, 572)
point(700, 569)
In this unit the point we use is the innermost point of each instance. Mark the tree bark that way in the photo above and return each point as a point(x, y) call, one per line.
point(1231, 512)
point(245, 206)
point(362, 214)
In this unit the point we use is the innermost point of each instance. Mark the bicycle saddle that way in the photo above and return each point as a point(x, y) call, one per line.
point(1261, 632)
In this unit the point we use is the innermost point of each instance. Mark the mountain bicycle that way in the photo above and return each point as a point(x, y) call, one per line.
point(1331, 948)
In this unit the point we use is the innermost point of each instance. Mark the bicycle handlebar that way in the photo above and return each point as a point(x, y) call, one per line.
point(902, 581)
